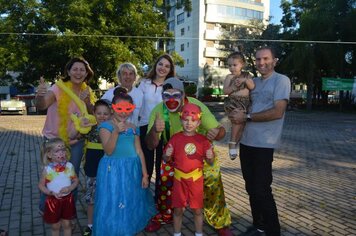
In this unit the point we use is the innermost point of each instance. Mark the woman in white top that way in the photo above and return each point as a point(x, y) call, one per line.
point(126, 75)
point(151, 88)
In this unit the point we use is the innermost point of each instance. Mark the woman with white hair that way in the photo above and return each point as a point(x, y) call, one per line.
point(126, 75)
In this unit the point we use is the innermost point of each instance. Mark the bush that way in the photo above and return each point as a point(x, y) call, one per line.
point(191, 90)
point(207, 91)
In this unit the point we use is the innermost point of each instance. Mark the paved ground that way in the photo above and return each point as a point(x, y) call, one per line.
point(314, 178)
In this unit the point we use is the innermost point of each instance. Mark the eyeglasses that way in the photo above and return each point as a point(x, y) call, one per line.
point(174, 95)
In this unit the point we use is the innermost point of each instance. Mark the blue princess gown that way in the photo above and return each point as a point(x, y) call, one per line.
point(122, 206)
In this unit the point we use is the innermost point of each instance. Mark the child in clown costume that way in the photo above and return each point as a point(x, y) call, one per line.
point(57, 182)
point(187, 150)
point(123, 203)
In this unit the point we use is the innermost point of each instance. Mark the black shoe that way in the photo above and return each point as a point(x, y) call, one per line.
point(253, 231)
point(87, 231)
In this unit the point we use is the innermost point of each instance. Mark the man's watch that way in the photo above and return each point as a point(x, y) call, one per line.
point(248, 117)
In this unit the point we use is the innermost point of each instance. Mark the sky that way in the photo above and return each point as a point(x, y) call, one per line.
point(275, 11)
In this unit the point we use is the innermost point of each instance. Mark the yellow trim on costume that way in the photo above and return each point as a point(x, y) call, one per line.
point(97, 146)
point(82, 107)
point(195, 174)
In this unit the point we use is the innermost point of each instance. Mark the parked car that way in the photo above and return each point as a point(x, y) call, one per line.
point(13, 106)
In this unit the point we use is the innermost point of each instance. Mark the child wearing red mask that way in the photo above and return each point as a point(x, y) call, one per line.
point(188, 149)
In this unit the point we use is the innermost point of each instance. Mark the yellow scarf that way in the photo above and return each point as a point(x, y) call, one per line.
point(63, 104)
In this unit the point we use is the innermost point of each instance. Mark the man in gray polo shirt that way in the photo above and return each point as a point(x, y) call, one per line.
point(261, 135)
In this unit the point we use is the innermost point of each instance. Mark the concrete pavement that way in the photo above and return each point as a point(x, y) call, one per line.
point(314, 178)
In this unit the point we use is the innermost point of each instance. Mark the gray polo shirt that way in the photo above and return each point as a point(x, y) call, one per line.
point(267, 91)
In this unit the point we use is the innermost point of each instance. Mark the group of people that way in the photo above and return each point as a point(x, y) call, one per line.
point(132, 130)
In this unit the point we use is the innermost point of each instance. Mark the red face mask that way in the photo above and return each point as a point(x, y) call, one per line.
point(123, 107)
point(191, 110)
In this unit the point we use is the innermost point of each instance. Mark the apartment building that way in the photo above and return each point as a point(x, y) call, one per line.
point(197, 33)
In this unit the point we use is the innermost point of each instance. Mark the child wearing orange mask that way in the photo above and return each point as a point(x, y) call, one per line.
point(123, 203)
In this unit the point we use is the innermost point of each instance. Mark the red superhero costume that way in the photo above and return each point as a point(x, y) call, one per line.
point(188, 157)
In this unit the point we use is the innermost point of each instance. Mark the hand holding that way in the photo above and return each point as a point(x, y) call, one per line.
point(121, 126)
point(212, 133)
point(239, 81)
point(237, 116)
point(159, 124)
point(64, 191)
point(169, 150)
point(58, 195)
point(210, 155)
point(144, 182)
point(85, 122)
point(85, 95)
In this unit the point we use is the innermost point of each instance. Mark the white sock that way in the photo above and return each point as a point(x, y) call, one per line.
point(90, 226)
point(198, 234)
point(177, 234)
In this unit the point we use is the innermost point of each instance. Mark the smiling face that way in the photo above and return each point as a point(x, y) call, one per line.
point(163, 68)
point(102, 113)
point(265, 62)
point(127, 78)
point(77, 73)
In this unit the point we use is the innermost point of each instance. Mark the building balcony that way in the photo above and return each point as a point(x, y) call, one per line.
point(213, 52)
point(212, 34)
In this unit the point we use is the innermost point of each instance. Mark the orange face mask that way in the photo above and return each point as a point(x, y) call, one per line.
point(123, 107)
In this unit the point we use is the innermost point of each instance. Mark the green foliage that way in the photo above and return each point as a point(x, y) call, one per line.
point(309, 21)
point(43, 35)
point(319, 20)
point(207, 91)
point(190, 89)
point(245, 38)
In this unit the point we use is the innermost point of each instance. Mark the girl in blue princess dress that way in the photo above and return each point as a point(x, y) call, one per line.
point(123, 202)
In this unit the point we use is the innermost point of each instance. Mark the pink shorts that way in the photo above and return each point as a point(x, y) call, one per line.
point(188, 192)
point(57, 209)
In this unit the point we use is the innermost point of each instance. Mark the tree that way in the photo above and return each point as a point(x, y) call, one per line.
point(39, 37)
point(247, 38)
point(319, 20)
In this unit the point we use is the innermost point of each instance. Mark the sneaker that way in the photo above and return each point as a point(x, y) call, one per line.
point(224, 232)
point(87, 231)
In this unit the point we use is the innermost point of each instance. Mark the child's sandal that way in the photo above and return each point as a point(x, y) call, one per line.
point(232, 150)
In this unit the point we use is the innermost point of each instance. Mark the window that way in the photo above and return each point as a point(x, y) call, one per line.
point(182, 47)
point(188, 45)
point(181, 31)
point(171, 25)
point(171, 12)
point(180, 18)
point(187, 61)
point(188, 14)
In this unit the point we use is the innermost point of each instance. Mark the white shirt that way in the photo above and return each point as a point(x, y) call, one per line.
point(137, 97)
point(152, 95)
